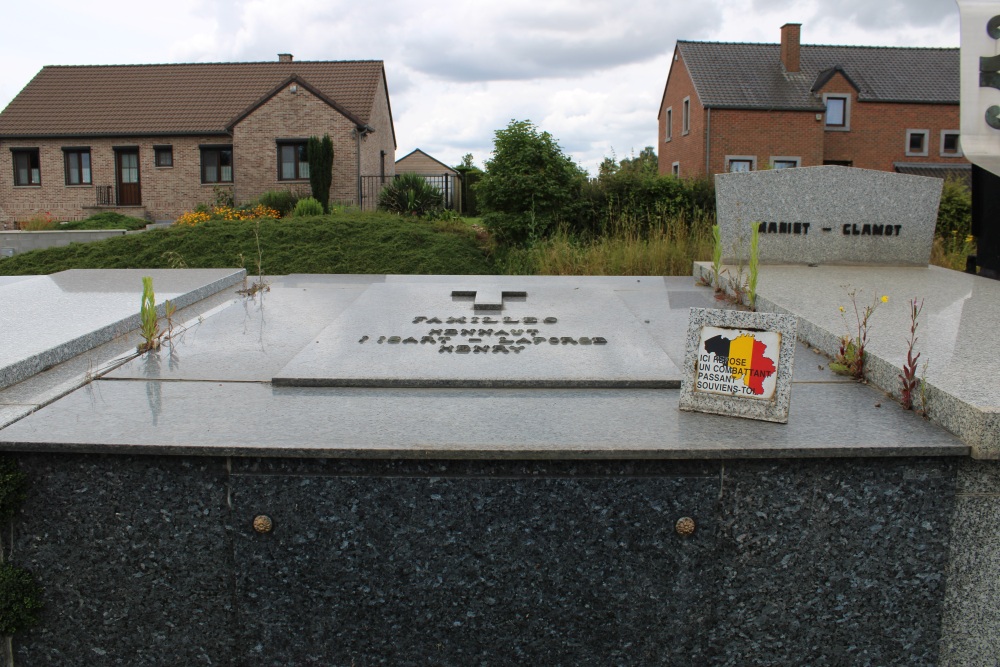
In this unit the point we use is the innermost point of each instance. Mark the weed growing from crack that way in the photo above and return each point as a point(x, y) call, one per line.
point(908, 377)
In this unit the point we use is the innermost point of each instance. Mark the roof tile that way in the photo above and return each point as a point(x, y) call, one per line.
point(750, 76)
point(173, 99)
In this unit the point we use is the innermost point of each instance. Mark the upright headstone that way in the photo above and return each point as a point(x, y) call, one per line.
point(828, 215)
point(980, 120)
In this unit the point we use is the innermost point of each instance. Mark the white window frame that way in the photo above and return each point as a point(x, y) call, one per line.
point(927, 139)
point(669, 134)
point(675, 169)
point(686, 115)
point(786, 158)
point(846, 127)
point(955, 153)
point(752, 159)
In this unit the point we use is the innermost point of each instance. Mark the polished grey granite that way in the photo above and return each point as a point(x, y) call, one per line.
point(247, 418)
point(971, 623)
point(828, 215)
point(210, 392)
point(476, 333)
point(57, 317)
point(958, 328)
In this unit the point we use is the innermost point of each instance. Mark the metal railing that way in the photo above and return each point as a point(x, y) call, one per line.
point(105, 195)
point(449, 185)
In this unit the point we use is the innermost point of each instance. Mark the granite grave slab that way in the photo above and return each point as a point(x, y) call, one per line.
point(55, 318)
point(828, 215)
point(483, 335)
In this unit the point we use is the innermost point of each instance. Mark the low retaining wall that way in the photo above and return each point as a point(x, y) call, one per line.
point(25, 241)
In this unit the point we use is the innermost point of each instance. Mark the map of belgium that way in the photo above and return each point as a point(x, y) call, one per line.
point(744, 358)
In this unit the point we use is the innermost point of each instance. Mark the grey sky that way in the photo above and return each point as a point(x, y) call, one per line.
point(591, 72)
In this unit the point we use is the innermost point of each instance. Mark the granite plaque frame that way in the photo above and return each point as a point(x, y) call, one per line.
point(483, 335)
point(739, 364)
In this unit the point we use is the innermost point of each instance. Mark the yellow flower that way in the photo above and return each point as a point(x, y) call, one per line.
point(885, 299)
point(841, 309)
point(968, 239)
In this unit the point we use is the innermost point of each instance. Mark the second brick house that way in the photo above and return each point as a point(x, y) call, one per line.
point(156, 140)
point(734, 107)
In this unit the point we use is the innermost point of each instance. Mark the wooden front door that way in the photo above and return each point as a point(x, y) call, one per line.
point(127, 177)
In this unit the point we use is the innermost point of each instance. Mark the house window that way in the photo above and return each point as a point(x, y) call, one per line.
point(740, 163)
point(670, 124)
point(163, 156)
point(949, 144)
point(216, 164)
point(77, 166)
point(675, 169)
point(686, 116)
point(293, 161)
point(26, 166)
point(916, 142)
point(838, 112)
point(783, 162)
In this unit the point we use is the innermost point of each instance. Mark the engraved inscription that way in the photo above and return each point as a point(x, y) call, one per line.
point(486, 340)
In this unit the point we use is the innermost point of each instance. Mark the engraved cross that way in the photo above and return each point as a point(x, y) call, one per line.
point(489, 299)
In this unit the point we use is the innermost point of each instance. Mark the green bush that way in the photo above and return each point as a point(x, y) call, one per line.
point(530, 181)
point(282, 201)
point(20, 599)
point(955, 211)
point(13, 483)
point(409, 194)
point(320, 155)
point(306, 207)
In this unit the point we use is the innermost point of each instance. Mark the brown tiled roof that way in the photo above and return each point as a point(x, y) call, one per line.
point(750, 76)
point(962, 172)
point(200, 98)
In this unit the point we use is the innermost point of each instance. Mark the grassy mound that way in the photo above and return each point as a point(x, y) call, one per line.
point(320, 244)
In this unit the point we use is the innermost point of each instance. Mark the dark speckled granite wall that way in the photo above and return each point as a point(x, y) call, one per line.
point(154, 561)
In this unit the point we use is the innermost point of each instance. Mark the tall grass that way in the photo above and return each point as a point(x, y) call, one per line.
point(665, 246)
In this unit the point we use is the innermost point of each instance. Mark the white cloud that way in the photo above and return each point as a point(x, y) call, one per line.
point(590, 72)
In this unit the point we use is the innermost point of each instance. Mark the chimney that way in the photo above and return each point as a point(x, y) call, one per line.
point(287, 57)
point(790, 34)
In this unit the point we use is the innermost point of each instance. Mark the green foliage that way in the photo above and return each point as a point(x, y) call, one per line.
point(350, 242)
point(955, 210)
point(753, 264)
point(529, 182)
point(107, 220)
point(667, 249)
point(634, 190)
point(320, 155)
point(224, 195)
point(147, 314)
point(307, 207)
point(409, 194)
point(282, 201)
point(716, 257)
point(20, 599)
point(13, 485)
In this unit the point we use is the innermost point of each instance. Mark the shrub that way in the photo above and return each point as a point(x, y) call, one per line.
point(409, 194)
point(13, 484)
point(530, 179)
point(320, 156)
point(20, 599)
point(39, 222)
point(955, 211)
point(197, 217)
point(282, 201)
point(306, 207)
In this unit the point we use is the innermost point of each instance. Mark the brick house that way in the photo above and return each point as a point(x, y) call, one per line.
point(736, 107)
point(156, 140)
